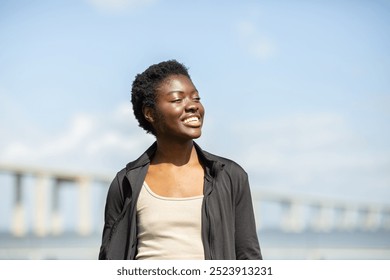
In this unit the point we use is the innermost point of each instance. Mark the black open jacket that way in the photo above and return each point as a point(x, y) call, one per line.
point(228, 224)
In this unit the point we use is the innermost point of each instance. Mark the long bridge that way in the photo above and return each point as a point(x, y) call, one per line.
point(37, 212)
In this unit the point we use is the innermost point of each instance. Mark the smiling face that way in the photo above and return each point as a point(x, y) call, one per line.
point(178, 114)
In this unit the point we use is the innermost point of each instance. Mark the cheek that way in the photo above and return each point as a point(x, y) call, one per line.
point(164, 115)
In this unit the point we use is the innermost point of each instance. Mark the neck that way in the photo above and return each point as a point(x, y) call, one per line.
point(177, 153)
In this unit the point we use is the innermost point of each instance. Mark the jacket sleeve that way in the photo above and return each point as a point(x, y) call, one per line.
point(246, 241)
point(113, 208)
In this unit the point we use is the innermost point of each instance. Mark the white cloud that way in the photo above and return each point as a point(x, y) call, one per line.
point(246, 29)
point(80, 127)
point(313, 153)
point(119, 6)
point(255, 43)
point(100, 142)
point(262, 48)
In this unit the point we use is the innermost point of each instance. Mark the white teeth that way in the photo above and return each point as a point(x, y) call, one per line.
point(192, 119)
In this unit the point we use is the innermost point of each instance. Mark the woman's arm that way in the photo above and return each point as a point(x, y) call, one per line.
point(113, 208)
point(247, 244)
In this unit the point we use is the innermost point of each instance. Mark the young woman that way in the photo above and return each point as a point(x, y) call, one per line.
point(177, 201)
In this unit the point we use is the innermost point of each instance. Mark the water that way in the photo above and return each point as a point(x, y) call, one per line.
point(68, 246)
point(335, 245)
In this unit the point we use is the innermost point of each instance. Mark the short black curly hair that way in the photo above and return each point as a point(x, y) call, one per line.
point(143, 91)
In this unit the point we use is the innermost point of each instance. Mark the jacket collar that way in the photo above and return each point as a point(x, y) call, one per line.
point(210, 161)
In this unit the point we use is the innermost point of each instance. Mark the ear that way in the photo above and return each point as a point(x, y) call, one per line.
point(148, 113)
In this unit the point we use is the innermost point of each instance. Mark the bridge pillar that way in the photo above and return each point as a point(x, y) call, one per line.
point(257, 208)
point(323, 219)
point(18, 227)
point(386, 219)
point(40, 215)
point(85, 225)
point(348, 219)
point(292, 220)
point(372, 219)
point(56, 219)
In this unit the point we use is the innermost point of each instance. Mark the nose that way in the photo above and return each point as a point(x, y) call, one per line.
point(192, 106)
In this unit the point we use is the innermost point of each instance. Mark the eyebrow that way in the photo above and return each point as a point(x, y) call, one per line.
point(180, 91)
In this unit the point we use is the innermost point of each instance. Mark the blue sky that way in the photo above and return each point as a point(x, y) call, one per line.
point(297, 92)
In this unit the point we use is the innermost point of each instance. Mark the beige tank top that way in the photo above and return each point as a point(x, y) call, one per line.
point(168, 228)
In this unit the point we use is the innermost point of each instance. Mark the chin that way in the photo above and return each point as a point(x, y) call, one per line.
point(192, 136)
point(190, 132)
point(196, 134)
